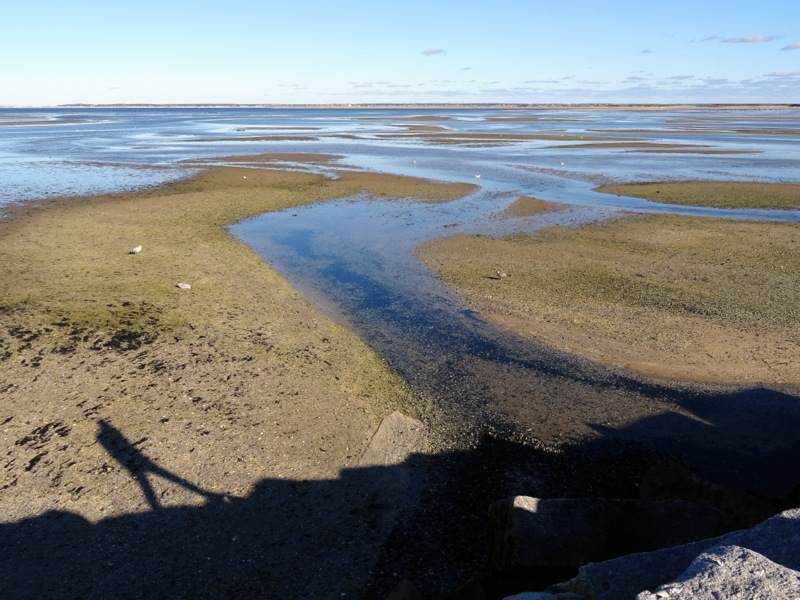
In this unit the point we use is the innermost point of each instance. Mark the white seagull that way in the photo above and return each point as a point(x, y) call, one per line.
point(136, 250)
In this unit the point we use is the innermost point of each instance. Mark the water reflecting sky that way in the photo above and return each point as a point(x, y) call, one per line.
point(79, 151)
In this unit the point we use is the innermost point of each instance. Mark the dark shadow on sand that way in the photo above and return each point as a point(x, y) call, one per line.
point(424, 519)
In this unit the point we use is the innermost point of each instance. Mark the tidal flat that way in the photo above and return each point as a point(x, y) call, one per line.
point(196, 441)
point(90, 331)
point(673, 295)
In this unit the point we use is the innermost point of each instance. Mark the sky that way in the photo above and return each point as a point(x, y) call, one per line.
point(438, 51)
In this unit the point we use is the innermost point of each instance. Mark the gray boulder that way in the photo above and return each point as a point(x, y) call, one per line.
point(733, 573)
point(776, 540)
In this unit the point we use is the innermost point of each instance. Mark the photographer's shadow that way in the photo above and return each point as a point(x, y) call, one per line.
point(140, 466)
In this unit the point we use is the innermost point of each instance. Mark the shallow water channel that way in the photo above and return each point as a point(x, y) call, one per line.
point(355, 259)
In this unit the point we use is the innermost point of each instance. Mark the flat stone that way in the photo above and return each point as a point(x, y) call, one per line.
point(395, 439)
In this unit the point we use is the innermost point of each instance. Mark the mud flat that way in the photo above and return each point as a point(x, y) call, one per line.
point(677, 296)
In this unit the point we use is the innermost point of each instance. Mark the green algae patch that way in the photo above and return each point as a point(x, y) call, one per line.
point(716, 194)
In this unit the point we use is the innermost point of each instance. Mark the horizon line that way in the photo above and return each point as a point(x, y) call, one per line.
point(400, 105)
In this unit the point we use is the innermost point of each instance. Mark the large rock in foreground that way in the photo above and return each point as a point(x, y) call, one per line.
point(733, 573)
point(761, 562)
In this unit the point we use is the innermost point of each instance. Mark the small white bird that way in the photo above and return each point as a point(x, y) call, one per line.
point(478, 176)
point(184, 286)
point(136, 250)
point(501, 274)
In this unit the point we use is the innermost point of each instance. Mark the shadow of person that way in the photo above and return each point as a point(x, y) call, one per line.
point(139, 466)
point(351, 536)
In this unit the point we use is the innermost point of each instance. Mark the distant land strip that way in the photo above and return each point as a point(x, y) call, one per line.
point(510, 105)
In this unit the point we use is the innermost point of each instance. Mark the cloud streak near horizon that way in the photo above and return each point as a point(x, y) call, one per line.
point(433, 51)
point(749, 39)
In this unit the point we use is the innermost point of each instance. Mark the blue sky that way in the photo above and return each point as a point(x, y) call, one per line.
point(353, 51)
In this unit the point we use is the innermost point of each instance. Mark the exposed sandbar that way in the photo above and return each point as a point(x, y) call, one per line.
point(640, 144)
point(528, 207)
point(686, 297)
point(717, 194)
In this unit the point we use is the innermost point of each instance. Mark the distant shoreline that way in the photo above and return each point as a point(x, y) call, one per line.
point(511, 105)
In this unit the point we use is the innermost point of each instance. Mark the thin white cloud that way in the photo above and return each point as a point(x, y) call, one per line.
point(433, 51)
point(681, 77)
point(784, 74)
point(795, 46)
point(646, 51)
point(711, 38)
point(717, 81)
point(749, 39)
